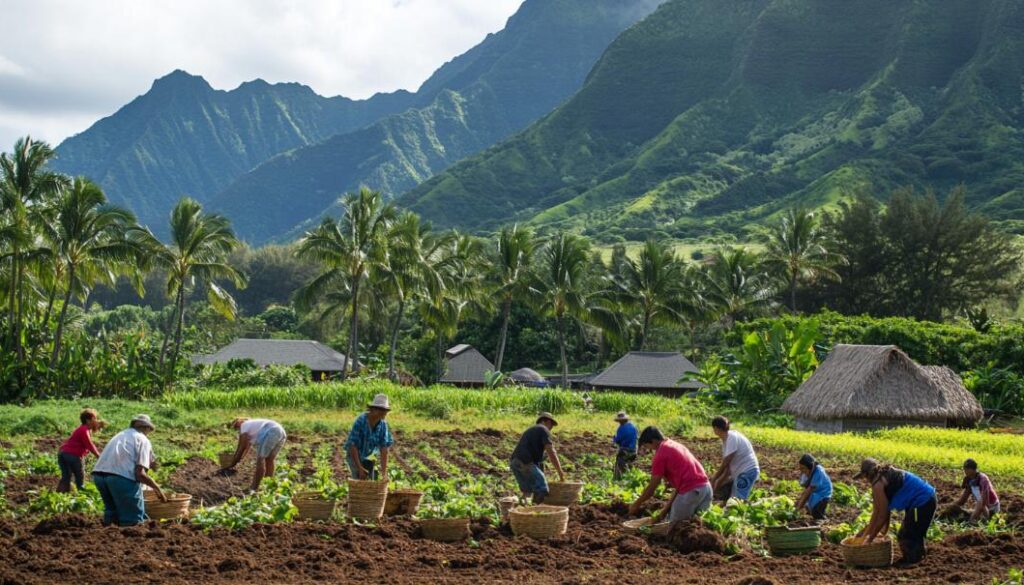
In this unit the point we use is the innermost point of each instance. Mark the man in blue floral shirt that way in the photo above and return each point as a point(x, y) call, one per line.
point(370, 436)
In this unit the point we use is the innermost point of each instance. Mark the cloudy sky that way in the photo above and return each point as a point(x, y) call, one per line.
point(66, 63)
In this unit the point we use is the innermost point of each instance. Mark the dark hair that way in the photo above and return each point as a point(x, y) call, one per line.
point(87, 415)
point(720, 422)
point(650, 435)
point(808, 461)
point(971, 464)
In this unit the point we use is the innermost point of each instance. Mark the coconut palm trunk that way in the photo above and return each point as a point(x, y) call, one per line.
point(354, 329)
point(177, 332)
point(561, 348)
point(58, 335)
point(506, 314)
point(393, 348)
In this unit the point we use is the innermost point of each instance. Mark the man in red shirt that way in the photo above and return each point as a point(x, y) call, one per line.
point(69, 459)
point(680, 469)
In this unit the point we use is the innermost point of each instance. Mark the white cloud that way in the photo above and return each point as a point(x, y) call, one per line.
point(66, 63)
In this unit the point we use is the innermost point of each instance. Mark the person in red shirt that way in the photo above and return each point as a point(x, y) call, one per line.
point(674, 464)
point(69, 459)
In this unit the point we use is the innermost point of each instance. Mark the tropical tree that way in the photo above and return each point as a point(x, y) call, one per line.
point(510, 276)
point(653, 288)
point(799, 250)
point(561, 286)
point(197, 253)
point(25, 185)
point(88, 242)
point(735, 286)
point(348, 250)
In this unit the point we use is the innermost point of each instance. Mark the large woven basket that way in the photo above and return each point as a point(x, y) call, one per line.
point(402, 502)
point(784, 541)
point(225, 458)
point(635, 526)
point(174, 508)
point(563, 493)
point(445, 529)
point(877, 554)
point(366, 498)
point(540, 522)
point(312, 506)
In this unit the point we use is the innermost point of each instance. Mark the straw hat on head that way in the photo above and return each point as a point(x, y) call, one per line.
point(621, 416)
point(547, 416)
point(143, 420)
point(380, 401)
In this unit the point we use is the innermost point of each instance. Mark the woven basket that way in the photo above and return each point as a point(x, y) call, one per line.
point(402, 502)
point(505, 506)
point(225, 458)
point(877, 554)
point(540, 522)
point(314, 508)
point(784, 541)
point(174, 508)
point(563, 493)
point(445, 529)
point(634, 526)
point(366, 498)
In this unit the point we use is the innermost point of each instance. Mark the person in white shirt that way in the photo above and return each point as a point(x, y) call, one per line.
point(739, 469)
point(121, 470)
point(266, 437)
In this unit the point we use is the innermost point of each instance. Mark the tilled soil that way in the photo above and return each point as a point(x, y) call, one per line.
point(208, 483)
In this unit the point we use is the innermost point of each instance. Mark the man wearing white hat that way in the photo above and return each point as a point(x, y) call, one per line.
point(625, 441)
point(370, 436)
point(266, 437)
point(120, 472)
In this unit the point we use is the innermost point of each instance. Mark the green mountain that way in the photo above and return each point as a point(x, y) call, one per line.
point(500, 86)
point(184, 137)
point(710, 115)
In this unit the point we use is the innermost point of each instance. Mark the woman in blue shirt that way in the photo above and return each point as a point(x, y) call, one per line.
point(897, 490)
point(817, 486)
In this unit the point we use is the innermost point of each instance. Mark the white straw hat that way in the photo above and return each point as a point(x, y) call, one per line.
point(380, 401)
point(144, 420)
point(621, 416)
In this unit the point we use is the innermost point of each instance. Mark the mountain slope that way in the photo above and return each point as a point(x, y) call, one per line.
point(512, 78)
point(184, 137)
point(710, 115)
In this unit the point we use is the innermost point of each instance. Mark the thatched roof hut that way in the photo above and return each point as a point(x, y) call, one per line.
point(648, 371)
point(323, 361)
point(527, 377)
point(465, 367)
point(864, 387)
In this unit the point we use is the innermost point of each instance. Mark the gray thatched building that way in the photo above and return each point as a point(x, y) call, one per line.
point(647, 371)
point(465, 367)
point(528, 377)
point(866, 387)
point(323, 361)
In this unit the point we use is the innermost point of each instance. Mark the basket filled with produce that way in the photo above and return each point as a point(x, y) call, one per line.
point(646, 526)
point(878, 553)
point(540, 522)
point(175, 508)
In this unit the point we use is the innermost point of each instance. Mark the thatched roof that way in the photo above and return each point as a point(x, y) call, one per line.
point(880, 381)
point(465, 365)
point(647, 370)
point(285, 352)
point(526, 375)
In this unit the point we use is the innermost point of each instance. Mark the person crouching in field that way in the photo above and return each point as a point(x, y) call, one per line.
point(74, 450)
point(977, 485)
point(817, 486)
point(674, 464)
point(370, 436)
point(739, 469)
point(625, 441)
point(897, 490)
point(265, 437)
point(528, 459)
point(121, 471)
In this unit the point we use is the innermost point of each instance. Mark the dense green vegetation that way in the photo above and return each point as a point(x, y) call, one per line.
point(708, 116)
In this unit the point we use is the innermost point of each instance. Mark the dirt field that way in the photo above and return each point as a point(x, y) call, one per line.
point(593, 550)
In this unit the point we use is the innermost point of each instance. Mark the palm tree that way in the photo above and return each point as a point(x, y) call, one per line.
point(561, 286)
point(797, 248)
point(88, 243)
point(198, 250)
point(25, 185)
point(653, 286)
point(735, 286)
point(512, 261)
point(349, 250)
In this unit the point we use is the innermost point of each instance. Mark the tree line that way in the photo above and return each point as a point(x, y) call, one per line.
point(381, 268)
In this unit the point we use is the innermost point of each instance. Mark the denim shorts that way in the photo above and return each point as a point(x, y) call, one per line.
point(743, 484)
point(530, 478)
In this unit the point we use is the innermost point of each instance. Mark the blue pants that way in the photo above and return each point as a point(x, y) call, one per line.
point(122, 500)
point(531, 480)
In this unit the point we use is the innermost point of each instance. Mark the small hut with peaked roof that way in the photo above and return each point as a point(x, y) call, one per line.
point(648, 371)
point(867, 387)
point(465, 367)
point(323, 362)
point(527, 377)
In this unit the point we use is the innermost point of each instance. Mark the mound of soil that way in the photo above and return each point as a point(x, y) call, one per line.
point(19, 488)
point(208, 483)
point(691, 537)
point(64, 523)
